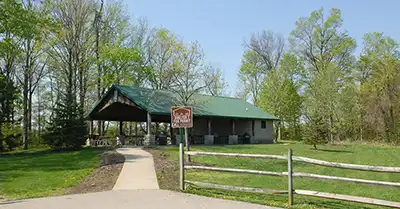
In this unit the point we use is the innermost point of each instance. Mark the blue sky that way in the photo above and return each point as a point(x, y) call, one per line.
point(221, 26)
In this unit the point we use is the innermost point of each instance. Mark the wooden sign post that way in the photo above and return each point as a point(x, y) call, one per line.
point(181, 117)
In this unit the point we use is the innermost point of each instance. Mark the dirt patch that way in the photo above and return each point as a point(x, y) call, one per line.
point(167, 170)
point(102, 178)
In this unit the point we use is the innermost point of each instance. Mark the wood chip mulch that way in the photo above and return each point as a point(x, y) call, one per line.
point(102, 178)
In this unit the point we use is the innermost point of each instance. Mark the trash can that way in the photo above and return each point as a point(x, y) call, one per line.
point(162, 138)
point(246, 138)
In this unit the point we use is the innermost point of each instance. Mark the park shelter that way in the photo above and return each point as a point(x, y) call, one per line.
point(216, 119)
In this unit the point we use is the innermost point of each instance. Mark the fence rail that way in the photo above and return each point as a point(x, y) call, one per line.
point(292, 174)
point(235, 188)
point(353, 180)
point(305, 160)
point(235, 170)
point(349, 198)
point(348, 166)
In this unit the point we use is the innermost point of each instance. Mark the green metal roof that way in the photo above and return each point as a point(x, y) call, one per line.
point(160, 102)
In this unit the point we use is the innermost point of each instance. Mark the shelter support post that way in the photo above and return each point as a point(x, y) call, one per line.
point(209, 138)
point(233, 138)
point(209, 126)
point(121, 126)
point(150, 139)
point(233, 127)
point(91, 128)
point(148, 125)
point(171, 132)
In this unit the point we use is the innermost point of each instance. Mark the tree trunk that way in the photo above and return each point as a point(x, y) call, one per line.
point(30, 111)
point(331, 129)
point(25, 135)
point(81, 93)
point(39, 116)
point(97, 22)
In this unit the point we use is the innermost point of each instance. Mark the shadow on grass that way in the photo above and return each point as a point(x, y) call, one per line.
point(331, 150)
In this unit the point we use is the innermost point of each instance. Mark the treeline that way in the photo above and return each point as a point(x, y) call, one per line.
point(319, 87)
point(58, 57)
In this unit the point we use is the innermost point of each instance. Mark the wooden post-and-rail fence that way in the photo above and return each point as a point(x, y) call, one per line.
point(291, 174)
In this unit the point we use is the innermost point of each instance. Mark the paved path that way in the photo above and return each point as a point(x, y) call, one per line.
point(138, 171)
point(131, 199)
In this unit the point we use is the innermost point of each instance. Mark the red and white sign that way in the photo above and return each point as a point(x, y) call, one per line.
point(182, 117)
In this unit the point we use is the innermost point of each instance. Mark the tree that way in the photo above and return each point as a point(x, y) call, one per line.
point(214, 81)
point(315, 132)
point(23, 25)
point(380, 86)
point(71, 59)
point(97, 28)
point(38, 26)
point(251, 75)
point(264, 51)
point(10, 51)
point(269, 47)
point(279, 95)
point(67, 129)
point(328, 58)
point(162, 52)
point(191, 76)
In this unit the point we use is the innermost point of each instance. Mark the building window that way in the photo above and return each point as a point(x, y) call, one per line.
point(263, 124)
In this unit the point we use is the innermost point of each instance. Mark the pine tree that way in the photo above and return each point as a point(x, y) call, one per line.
point(316, 132)
point(67, 129)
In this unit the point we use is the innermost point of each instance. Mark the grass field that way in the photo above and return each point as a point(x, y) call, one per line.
point(41, 172)
point(358, 154)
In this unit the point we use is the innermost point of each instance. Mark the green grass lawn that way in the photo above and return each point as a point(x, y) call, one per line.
point(358, 154)
point(41, 172)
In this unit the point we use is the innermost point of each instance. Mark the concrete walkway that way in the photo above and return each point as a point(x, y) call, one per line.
point(130, 199)
point(138, 171)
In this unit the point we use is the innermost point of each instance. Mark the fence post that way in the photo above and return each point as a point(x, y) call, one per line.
point(181, 161)
point(290, 178)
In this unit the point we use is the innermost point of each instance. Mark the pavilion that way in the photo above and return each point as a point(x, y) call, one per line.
point(216, 119)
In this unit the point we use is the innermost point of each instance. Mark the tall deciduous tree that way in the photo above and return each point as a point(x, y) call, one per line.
point(214, 81)
point(280, 94)
point(327, 52)
point(251, 75)
point(269, 46)
point(72, 58)
point(162, 51)
point(39, 26)
point(380, 86)
point(11, 33)
point(263, 54)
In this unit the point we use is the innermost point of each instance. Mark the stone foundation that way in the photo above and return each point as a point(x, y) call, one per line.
point(149, 140)
point(233, 139)
point(253, 140)
point(208, 139)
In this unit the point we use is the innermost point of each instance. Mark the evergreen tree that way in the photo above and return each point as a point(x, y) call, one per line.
point(67, 129)
point(316, 131)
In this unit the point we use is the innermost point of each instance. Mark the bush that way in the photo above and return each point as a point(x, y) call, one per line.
point(11, 133)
